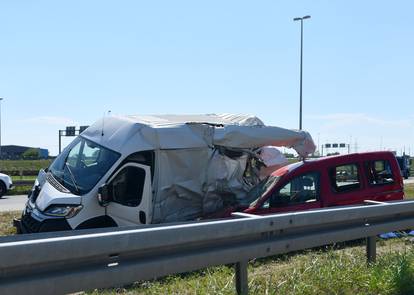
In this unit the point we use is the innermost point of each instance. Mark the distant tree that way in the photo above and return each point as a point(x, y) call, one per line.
point(31, 154)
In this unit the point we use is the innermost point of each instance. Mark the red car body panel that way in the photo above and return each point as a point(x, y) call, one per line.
point(328, 197)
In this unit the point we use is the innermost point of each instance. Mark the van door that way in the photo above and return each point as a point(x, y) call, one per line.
point(300, 193)
point(130, 189)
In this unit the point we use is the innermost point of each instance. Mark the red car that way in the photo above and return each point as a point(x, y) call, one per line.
point(326, 182)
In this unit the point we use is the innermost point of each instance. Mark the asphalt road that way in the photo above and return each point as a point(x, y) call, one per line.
point(12, 203)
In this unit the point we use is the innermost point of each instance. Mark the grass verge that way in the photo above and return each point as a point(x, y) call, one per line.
point(409, 191)
point(19, 165)
point(6, 222)
point(26, 178)
point(310, 272)
point(20, 190)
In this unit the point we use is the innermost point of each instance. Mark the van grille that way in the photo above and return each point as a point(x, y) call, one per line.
point(30, 223)
point(56, 184)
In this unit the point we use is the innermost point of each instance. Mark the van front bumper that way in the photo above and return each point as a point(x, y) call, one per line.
point(35, 223)
point(17, 223)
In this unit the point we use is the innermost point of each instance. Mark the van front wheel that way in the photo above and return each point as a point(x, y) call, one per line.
point(3, 189)
point(98, 222)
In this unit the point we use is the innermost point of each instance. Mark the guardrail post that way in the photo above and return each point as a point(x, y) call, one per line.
point(242, 287)
point(371, 249)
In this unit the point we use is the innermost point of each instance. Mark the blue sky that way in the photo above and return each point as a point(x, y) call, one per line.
point(68, 62)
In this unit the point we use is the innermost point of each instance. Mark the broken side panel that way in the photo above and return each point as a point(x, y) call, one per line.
point(193, 183)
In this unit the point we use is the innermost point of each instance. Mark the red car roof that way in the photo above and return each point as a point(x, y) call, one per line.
point(333, 159)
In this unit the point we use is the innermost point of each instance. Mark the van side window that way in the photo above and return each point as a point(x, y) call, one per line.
point(128, 186)
point(345, 178)
point(301, 189)
point(379, 172)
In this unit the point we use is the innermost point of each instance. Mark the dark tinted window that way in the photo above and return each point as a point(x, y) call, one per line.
point(128, 186)
point(345, 178)
point(379, 172)
point(301, 189)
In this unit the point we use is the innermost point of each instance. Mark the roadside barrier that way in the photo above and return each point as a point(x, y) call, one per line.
point(67, 262)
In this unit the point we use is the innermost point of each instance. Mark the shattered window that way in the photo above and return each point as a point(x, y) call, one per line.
point(379, 172)
point(261, 189)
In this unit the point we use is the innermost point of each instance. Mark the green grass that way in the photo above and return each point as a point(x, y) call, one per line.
point(20, 190)
point(18, 165)
point(6, 222)
point(409, 191)
point(311, 272)
point(292, 160)
point(28, 178)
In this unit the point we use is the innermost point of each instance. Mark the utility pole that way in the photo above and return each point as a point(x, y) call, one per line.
point(301, 65)
point(1, 98)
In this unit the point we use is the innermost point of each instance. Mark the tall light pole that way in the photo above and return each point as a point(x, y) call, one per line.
point(1, 98)
point(301, 65)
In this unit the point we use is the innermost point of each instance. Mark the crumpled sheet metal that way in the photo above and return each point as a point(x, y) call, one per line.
point(190, 179)
point(196, 182)
point(128, 134)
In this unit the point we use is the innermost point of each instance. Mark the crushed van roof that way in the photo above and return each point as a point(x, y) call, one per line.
point(134, 133)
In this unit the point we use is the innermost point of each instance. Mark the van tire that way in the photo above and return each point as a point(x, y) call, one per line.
point(97, 222)
point(3, 189)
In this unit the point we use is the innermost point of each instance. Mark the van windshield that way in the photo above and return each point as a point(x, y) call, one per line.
point(259, 190)
point(82, 164)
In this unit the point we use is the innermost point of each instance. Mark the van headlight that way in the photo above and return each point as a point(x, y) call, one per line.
point(67, 211)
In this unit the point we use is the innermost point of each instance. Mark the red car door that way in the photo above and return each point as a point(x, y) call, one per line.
point(299, 193)
point(383, 180)
point(347, 185)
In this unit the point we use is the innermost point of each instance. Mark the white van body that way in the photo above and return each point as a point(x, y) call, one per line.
point(157, 169)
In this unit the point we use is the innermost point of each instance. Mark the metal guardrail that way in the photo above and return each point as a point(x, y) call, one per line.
point(56, 263)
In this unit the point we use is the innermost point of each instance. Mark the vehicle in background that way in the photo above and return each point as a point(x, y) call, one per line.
point(405, 165)
point(326, 182)
point(6, 184)
point(133, 170)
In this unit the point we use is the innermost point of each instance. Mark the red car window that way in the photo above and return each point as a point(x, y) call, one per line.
point(304, 188)
point(345, 178)
point(379, 172)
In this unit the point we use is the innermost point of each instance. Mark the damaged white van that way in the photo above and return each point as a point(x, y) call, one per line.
point(133, 170)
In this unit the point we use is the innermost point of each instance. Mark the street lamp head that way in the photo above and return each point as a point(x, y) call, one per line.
point(302, 18)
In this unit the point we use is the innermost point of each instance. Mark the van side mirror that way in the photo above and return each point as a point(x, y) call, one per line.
point(104, 195)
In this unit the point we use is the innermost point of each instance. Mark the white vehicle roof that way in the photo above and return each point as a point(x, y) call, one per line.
point(128, 134)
